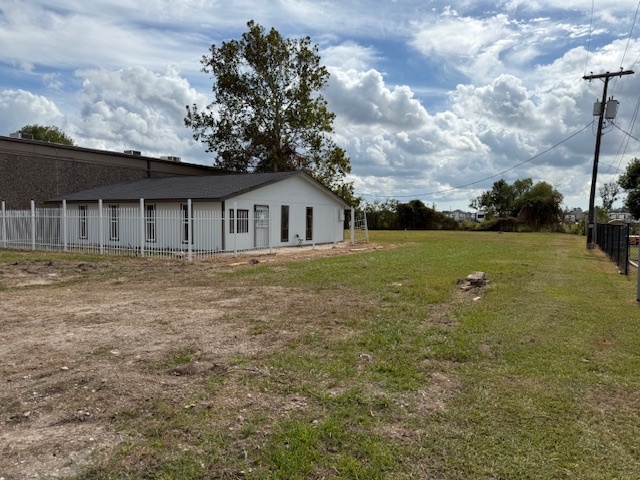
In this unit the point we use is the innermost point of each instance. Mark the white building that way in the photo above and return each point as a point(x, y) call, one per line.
point(480, 216)
point(625, 217)
point(459, 215)
point(217, 213)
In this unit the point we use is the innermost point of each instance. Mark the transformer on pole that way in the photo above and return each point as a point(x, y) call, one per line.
point(601, 109)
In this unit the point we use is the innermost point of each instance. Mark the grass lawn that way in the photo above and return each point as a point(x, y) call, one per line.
point(396, 373)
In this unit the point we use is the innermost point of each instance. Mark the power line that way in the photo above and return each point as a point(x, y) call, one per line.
point(459, 187)
point(626, 133)
point(629, 37)
point(636, 61)
point(635, 17)
point(625, 141)
point(586, 62)
point(610, 165)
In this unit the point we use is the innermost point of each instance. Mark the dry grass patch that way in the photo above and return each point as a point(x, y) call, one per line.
point(108, 344)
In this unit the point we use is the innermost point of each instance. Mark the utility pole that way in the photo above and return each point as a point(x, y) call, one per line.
point(591, 219)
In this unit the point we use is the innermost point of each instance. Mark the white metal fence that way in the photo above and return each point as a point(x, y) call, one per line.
point(113, 230)
point(147, 230)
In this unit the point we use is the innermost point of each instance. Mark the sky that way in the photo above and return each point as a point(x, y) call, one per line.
point(433, 100)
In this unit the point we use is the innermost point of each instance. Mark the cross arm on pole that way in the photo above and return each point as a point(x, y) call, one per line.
point(591, 230)
point(608, 74)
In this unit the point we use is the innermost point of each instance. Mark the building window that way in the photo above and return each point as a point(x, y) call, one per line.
point(309, 229)
point(114, 222)
point(150, 223)
point(232, 221)
point(284, 223)
point(185, 223)
point(243, 221)
point(82, 218)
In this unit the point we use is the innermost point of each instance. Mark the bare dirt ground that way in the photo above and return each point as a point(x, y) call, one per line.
point(81, 343)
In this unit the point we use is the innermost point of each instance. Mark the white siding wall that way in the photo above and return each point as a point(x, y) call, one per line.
point(298, 193)
point(208, 225)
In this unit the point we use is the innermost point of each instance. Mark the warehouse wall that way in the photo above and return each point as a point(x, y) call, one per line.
point(42, 171)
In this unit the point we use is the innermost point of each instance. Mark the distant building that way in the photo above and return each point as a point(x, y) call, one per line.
point(574, 216)
point(459, 215)
point(625, 217)
point(462, 216)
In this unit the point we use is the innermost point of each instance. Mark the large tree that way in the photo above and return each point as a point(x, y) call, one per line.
point(416, 215)
point(630, 183)
point(541, 206)
point(47, 133)
point(536, 205)
point(268, 113)
point(609, 193)
point(497, 201)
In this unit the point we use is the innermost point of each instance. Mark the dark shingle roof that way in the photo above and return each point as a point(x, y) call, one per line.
point(216, 187)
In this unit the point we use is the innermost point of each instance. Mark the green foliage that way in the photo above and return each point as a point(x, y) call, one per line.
point(536, 206)
point(503, 200)
point(47, 134)
point(267, 114)
point(602, 215)
point(415, 215)
point(521, 187)
point(630, 183)
point(382, 216)
point(540, 206)
point(508, 224)
point(574, 229)
point(500, 199)
point(609, 193)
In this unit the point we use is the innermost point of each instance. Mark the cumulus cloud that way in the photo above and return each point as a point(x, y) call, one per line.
point(363, 98)
point(391, 136)
point(19, 108)
point(484, 47)
point(404, 150)
point(349, 56)
point(135, 108)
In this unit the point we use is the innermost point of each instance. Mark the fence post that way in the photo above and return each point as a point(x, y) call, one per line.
point(4, 225)
point(366, 227)
point(313, 235)
point(352, 225)
point(33, 225)
point(64, 225)
point(100, 227)
point(638, 294)
point(270, 232)
point(189, 231)
point(142, 230)
point(625, 253)
point(235, 229)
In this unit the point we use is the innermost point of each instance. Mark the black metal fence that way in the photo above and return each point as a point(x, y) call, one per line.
point(614, 241)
